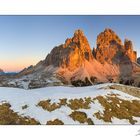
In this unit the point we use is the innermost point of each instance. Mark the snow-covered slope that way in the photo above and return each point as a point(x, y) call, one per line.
point(94, 107)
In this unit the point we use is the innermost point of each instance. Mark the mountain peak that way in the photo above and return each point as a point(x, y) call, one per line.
point(74, 63)
point(129, 50)
point(106, 37)
point(110, 48)
point(108, 30)
point(128, 44)
point(78, 32)
point(72, 53)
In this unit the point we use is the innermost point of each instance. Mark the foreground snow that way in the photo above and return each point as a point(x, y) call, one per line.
point(20, 97)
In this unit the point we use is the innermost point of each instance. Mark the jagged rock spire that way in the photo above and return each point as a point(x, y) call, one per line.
point(110, 48)
point(72, 53)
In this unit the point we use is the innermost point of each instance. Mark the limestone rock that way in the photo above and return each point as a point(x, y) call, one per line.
point(75, 63)
point(72, 53)
point(138, 60)
point(26, 71)
point(110, 48)
point(128, 46)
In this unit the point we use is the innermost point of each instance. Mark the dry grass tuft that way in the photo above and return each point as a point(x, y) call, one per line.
point(55, 122)
point(9, 117)
point(119, 108)
point(63, 102)
point(127, 89)
point(76, 104)
point(81, 117)
point(47, 105)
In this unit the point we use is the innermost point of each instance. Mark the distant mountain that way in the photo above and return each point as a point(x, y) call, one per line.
point(1, 71)
point(7, 73)
point(74, 62)
point(10, 73)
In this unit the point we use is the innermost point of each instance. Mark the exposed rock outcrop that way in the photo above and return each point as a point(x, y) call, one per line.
point(138, 60)
point(25, 71)
point(108, 46)
point(129, 51)
point(72, 54)
point(110, 49)
point(75, 62)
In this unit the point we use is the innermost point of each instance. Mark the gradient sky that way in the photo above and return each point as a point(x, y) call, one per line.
point(25, 40)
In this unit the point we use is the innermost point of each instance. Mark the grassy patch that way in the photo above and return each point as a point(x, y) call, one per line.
point(81, 117)
point(55, 122)
point(119, 108)
point(76, 104)
point(62, 102)
point(9, 117)
point(47, 105)
point(127, 89)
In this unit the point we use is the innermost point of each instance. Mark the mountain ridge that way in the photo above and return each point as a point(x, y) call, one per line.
point(74, 62)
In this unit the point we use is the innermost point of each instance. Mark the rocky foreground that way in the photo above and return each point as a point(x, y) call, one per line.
point(92, 105)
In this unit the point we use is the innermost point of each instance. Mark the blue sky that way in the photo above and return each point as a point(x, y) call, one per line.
point(25, 40)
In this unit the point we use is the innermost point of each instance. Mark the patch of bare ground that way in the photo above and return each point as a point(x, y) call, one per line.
point(81, 117)
point(119, 108)
point(55, 122)
point(9, 117)
point(134, 91)
point(47, 105)
point(76, 104)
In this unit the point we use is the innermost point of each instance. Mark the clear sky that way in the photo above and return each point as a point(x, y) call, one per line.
point(25, 40)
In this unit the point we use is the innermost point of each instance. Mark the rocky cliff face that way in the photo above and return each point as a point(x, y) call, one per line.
point(129, 51)
point(112, 59)
point(72, 54)
point(138, 60)
point(110, 49)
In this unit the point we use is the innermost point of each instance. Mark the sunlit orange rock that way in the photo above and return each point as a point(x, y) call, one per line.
point(129, 50)
point(110, 48)
point(73, 61)
point(72, 53)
